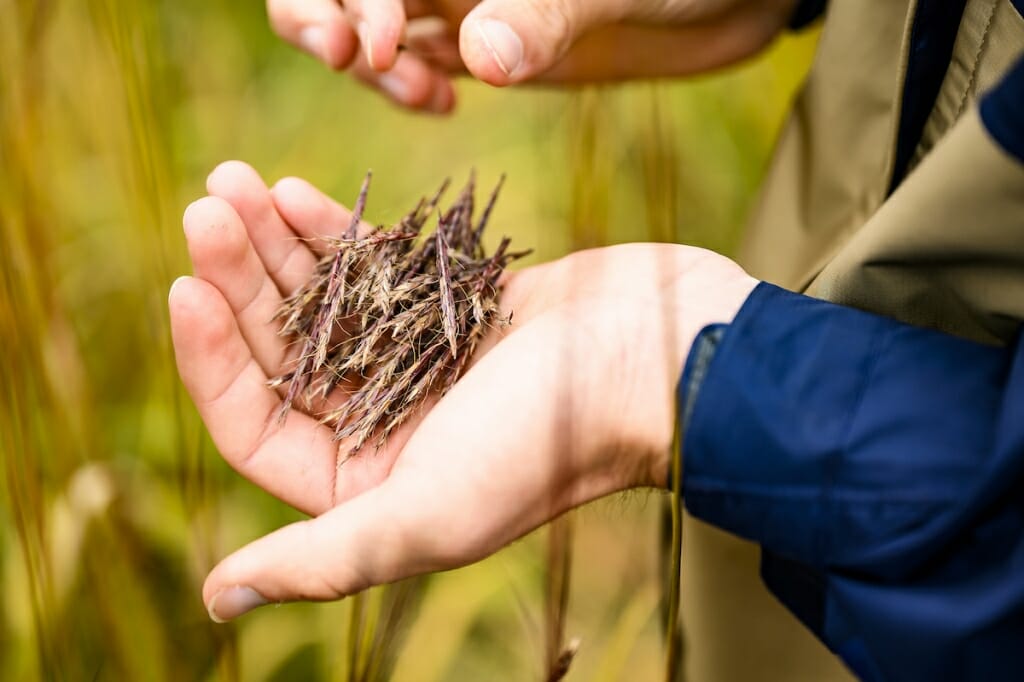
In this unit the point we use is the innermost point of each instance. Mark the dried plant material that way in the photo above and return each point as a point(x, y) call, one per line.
point(392, 316)
point(560, 667)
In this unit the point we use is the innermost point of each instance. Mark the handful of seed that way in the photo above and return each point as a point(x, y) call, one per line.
point(391, 317)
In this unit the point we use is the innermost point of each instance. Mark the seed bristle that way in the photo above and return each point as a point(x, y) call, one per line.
point(392, 316)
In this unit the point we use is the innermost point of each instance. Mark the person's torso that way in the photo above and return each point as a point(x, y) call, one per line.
point(945, 247)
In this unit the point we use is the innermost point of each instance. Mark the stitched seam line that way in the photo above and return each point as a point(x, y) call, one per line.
point(965, 96)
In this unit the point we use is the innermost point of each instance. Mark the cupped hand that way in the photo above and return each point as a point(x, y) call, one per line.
point(571, 402)
point(503, 42)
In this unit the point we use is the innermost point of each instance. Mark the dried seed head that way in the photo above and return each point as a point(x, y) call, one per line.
point(391, 317)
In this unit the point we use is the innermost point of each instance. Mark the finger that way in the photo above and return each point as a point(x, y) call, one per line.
point(318, 27)
point(373, 539)
point(380, 25)
point(315, 560)
point(410, 83)
point(311, 214)
point(626, 51)
point(223, 256)
point(285, 256)
point(432, 40)
point(508, 41)
point(297, 461)
point(294, 461)
point(418, 8)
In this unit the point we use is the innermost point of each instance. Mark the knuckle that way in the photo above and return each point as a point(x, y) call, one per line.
point(215, 236)
point(559, 18)
point(318, 580)
point(214, 333)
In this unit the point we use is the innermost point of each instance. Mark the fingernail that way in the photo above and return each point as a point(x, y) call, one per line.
point(312, 40)
point(188, 209)
point(502, 42)
point(232, 602)
point(174, 284)
point(364, 37)
point(394, 86)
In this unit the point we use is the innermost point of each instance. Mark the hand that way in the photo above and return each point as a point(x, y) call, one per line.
point(573, 401)
point(513, 41)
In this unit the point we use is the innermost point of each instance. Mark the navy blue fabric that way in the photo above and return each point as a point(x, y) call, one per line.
point(1002, 110)
point(806, 13)
point(881, 468)
point(932, 37)
point(704, 348)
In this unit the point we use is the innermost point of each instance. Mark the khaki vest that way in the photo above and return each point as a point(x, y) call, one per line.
point(945, 250)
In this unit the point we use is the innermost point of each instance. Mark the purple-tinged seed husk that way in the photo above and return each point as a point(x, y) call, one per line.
point(391, 317)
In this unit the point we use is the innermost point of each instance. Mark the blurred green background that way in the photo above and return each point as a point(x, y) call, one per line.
point(113, 503)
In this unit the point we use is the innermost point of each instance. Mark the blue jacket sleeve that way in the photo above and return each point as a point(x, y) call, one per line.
point(881, 468)
point(1002, 107)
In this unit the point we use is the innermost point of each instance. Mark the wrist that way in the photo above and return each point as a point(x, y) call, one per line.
point(711, 293)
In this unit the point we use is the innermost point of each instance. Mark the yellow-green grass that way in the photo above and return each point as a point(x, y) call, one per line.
point(113, 503)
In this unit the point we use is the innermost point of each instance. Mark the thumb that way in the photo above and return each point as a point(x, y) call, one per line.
point(509, 41)
point(356, 545)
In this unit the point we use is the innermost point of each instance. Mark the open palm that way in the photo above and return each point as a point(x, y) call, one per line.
point(572, 402)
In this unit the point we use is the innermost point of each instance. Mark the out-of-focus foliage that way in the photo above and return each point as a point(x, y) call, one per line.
point(113, 504)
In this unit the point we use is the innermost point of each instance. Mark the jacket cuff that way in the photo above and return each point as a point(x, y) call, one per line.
point(1001, 111)
point(814, 432)
point(697, 363)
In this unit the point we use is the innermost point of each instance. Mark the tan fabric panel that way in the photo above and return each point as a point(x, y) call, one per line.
point(990, 37)
point(831, 167)
point(735, 630)
point(947, 251)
